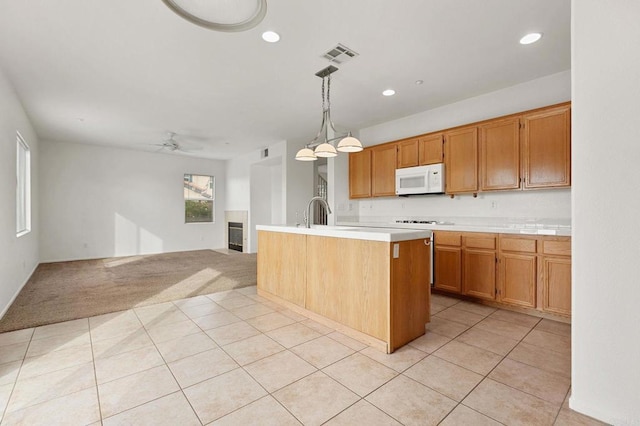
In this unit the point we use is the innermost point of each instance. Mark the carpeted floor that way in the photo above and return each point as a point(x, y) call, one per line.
point(69, 290)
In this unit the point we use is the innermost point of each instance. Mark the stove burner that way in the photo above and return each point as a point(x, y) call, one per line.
point(430, 222)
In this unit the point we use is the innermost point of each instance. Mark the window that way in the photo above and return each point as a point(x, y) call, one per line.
point(23, 187)
point(199, 194)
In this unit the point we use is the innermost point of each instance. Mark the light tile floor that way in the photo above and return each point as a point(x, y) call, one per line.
point(234, 358)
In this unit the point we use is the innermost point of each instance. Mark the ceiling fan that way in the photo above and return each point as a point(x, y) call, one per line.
point(171, 144)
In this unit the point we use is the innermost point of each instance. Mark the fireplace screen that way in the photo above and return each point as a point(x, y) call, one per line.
point(235, 236)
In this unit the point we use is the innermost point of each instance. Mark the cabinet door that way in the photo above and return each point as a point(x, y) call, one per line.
point(500, 155)
point(383, 170)
point(430, 149)
point(557, 285)
point(479, 273)
point(461, 160)
point(518, 279)
point(408, 153)
point(547, 148)
point(447, 268)
point(360, 174)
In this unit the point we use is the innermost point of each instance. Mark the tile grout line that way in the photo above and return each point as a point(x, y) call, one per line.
point(166, 364)
point(505, 357)
point(486, 376)
point(15, 382)
point(95, 373)
point(555, 420)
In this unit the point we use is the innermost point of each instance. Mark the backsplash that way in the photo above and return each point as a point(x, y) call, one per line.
point(551, 206)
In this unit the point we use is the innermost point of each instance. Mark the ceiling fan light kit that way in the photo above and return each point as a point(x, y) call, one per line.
point(328, 135)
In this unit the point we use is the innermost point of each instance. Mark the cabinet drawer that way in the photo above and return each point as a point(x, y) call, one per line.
point(523, 245)
point(558, 248)
point(480, 241)
point(448, 238)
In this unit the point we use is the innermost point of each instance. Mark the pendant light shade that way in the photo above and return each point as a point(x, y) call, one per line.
point(326, 150)
point(327, 137)
point(306, 154)
point(349, 144)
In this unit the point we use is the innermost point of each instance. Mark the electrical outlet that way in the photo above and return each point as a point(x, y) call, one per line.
point(494, 204)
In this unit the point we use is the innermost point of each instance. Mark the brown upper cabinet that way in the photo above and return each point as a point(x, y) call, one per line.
point(547, 148)
point(408, 153)
point(420, 151)
point(360, 174)
point(500, 155)
point(430, 149)
point(383, 170)
point(461, 160)
point(528, 150)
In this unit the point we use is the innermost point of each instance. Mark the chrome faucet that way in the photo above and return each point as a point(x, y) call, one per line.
point(307, 217)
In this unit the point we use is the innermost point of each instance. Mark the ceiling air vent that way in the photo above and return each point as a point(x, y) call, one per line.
point(340, 54)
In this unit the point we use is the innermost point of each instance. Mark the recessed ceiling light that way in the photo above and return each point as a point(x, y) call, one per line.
point(271, 36)
point(419, 82)
point(530, 38)
point(389, 92)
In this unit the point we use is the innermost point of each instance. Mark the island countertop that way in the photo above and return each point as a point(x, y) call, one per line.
point(352, 232)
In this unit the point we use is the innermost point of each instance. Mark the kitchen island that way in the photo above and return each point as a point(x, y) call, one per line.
point(369, 283)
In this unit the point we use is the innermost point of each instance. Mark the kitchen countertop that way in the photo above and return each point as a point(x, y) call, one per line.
point(492, 225)
point(356, 232)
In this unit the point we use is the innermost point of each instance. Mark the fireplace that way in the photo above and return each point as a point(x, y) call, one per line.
point(235, 236)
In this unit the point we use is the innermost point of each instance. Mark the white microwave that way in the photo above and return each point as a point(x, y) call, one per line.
point(427, 179)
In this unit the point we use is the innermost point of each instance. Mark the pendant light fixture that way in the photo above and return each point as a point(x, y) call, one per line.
point(323, 144)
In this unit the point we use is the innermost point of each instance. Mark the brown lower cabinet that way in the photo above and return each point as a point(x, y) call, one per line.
point(524, 271)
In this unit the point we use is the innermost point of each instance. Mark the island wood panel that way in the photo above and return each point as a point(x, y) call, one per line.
point(348, 282)
point(280, 271)
point(500, 155)
point(409, 292)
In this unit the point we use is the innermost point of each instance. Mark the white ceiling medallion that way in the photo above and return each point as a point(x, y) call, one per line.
point(221, 15)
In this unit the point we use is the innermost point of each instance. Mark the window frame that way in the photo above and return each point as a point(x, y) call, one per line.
point(23, 186)
point(189, 177)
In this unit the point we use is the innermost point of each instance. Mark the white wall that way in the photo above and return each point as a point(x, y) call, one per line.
point(285, 200)
point(299, 182)
point(262, 199)
point(100, 202)
point(606, 206)
point(18, 256)
point(514, 204)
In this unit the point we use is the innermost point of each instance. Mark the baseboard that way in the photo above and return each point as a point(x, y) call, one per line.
point(15, 295)
point(588, 410)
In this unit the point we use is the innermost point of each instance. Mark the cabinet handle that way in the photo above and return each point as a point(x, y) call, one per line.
point(427, 242)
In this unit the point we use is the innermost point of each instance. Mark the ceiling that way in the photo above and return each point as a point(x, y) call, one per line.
point(124, 73)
